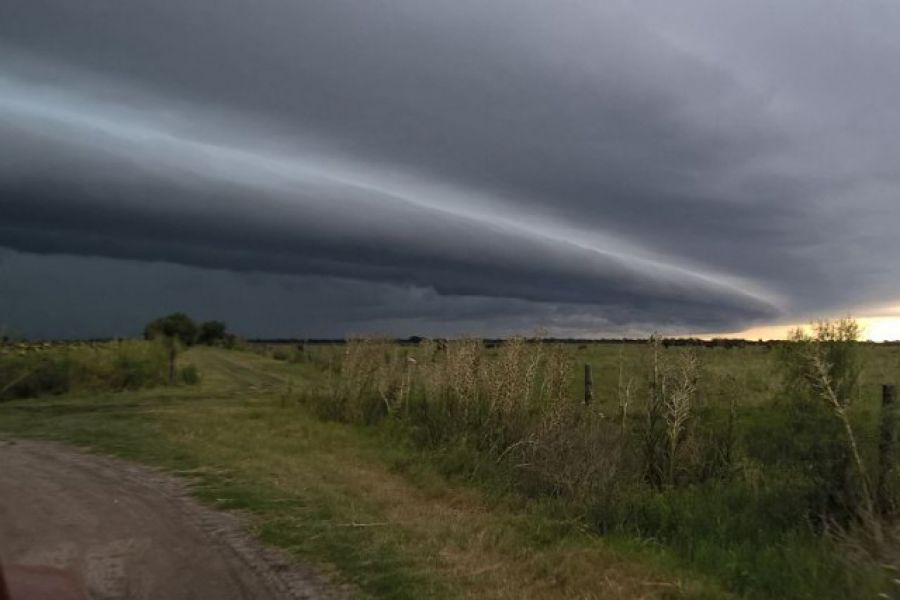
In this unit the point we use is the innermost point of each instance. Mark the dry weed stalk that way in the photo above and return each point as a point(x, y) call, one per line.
point(557, 371)
point(671, 398)
point(462, 361)
point(832, 375)
point(370, 366)
point(678, 403)
point(506, 380)
point(827, 392)
point(652, 437)
point(624, 391)
point(531, 371)
point(429, 372)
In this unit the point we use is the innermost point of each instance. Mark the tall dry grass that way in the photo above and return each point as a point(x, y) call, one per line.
point(509, 405)
point(512, 409)
point(743, 492)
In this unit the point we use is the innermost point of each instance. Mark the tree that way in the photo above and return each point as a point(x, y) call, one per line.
point(174, 330)
point(212, 332)
point(176, 326)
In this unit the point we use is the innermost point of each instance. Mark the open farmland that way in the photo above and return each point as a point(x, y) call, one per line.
point(450, 299)
point(453, 469)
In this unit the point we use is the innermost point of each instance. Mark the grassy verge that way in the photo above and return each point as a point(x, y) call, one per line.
point(729, 461)
point(359, 504)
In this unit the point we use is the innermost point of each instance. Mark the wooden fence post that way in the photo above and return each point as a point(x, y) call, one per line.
point(588, 384)
point(886, 447)
point(172, 365)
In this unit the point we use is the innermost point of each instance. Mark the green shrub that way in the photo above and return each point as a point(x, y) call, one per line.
point(26, 376)
point(190, 375)
point(115, 366)
point(135, 365)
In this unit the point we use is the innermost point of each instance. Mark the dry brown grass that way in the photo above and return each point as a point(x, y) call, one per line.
point(512, 403)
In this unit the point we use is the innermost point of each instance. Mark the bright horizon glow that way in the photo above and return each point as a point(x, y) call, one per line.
point(877, 328)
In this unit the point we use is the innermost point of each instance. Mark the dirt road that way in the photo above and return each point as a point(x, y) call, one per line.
point(129, 532)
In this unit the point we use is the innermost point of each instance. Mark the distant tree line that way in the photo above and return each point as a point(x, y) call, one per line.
point(495, 342)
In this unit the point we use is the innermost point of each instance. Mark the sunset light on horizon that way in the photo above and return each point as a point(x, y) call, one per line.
point(875, 328)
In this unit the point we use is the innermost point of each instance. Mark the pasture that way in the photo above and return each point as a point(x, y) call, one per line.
point(454, 469)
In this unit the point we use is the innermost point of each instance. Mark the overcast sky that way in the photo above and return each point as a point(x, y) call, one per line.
point(321, 168)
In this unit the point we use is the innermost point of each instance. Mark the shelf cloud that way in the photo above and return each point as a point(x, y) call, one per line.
point(437, 168)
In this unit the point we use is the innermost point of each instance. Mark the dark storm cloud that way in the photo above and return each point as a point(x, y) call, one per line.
point(334, 232)
point(54, 296)
point(596, 167)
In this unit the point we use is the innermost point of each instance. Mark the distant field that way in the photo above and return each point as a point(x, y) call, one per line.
point(753, 366)
point(463, 471)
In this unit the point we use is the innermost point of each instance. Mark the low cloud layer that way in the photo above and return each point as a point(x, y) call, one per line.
point(446, 167)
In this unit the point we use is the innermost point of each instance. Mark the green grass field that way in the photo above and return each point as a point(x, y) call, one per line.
point(374, 507)
point(361, 505)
